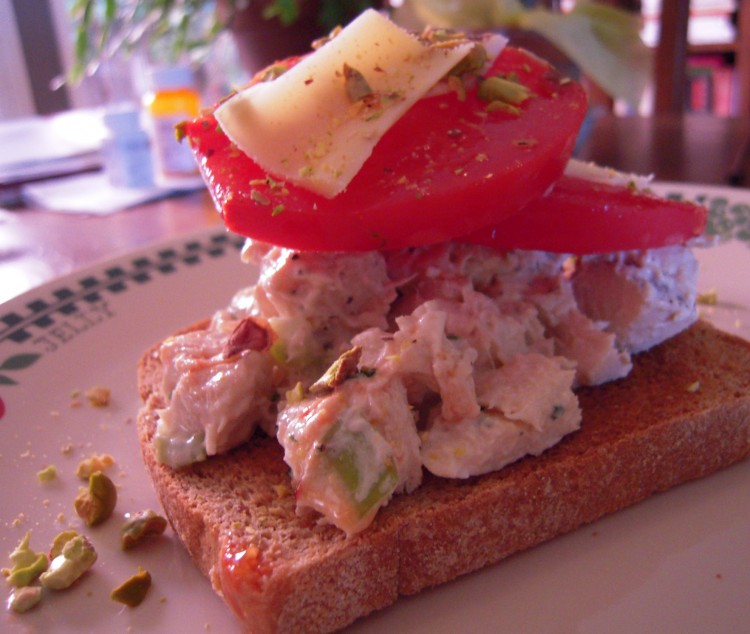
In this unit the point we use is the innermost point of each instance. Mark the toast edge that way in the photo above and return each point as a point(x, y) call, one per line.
point(416, 544)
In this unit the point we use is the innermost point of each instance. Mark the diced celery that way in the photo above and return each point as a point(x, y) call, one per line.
point(351, 453)
point(180, 451)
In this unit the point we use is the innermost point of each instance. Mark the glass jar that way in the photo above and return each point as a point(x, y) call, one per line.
point(173, 99)
point(126, 150)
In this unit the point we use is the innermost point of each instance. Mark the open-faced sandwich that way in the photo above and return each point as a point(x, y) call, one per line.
point(461, 343)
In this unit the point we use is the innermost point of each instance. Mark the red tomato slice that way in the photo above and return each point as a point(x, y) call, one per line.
point(580, 216)
point(445, 169)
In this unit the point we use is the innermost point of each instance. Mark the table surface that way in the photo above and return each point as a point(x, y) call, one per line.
point(37, 245)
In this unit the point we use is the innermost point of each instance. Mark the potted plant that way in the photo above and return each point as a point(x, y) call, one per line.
point(170, 30)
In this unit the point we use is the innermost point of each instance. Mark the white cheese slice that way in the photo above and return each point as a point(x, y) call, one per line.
point(607, 175)
point(303, 126)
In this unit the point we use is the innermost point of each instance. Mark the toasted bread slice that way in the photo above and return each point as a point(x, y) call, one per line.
point(683, 413)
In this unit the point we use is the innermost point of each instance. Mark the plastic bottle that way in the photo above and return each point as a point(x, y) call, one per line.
point(173, 99)
point(127, 150)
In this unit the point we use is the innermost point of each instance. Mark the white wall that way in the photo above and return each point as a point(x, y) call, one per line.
point(16, 99)
point(89, 92)
point(16, 94)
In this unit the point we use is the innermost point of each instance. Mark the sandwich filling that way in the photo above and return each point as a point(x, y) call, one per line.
point(370, 367)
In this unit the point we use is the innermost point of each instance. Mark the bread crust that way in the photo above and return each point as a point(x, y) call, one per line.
point(683, 413)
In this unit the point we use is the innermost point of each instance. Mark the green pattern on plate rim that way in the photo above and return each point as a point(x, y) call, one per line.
point(727, 219)
point(82, 303)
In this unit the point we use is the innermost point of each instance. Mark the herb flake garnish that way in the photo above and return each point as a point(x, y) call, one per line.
point(356, 86)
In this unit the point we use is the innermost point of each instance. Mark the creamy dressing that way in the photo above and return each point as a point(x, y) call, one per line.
point(459, 360)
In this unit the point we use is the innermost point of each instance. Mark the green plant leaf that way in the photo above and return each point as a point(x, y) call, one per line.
point(19, 361)
point(603, 41)
point(479, 15)
point(6, 380)
point(286, 11)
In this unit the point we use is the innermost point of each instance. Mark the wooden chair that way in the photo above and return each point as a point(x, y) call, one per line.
point(672, 53)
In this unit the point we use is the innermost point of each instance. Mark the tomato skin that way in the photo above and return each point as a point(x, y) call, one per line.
point(445, 169)
point(582, 217)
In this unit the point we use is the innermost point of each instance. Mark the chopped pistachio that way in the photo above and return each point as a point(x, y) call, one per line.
point(48, 474)
point(92, 464)
point(325, 39)
point(59, 542)
point(356, 86)
point(95, 504)
point(248, 334)
point(501, 106)
point(473, 63)
point(345, 367)
point(133, 591)
point(98, 396)
point(273, 71)
point(27, 564)
point(180, 131)
point(259, 197)
point(77, 556)
point(296, 394)
point(140, 526)
point(23, 599)
point(503, 90)
point(708, 298)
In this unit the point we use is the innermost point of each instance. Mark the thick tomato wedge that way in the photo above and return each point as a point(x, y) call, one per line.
point(579, 216)
point(445, 169)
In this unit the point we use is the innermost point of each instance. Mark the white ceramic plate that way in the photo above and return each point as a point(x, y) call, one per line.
point(679, 562)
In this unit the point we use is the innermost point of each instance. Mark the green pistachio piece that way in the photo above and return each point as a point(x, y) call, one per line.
point(27, 564)
point(503, 90)
point(296, 394)
point(345, 367)
point(473, 63)
point(501, 106)
point(273, 71)
point(95, 504)
point(77, 556)
point(134, 590)
point(139, 527)
point(48, 474)
point(356, 86)
point(93, 464)
point(59, 542)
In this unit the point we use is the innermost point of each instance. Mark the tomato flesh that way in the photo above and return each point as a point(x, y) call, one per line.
point(445, 169)
point(580, 217)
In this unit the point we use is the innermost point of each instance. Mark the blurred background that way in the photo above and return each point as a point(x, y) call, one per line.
point(46, 42)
